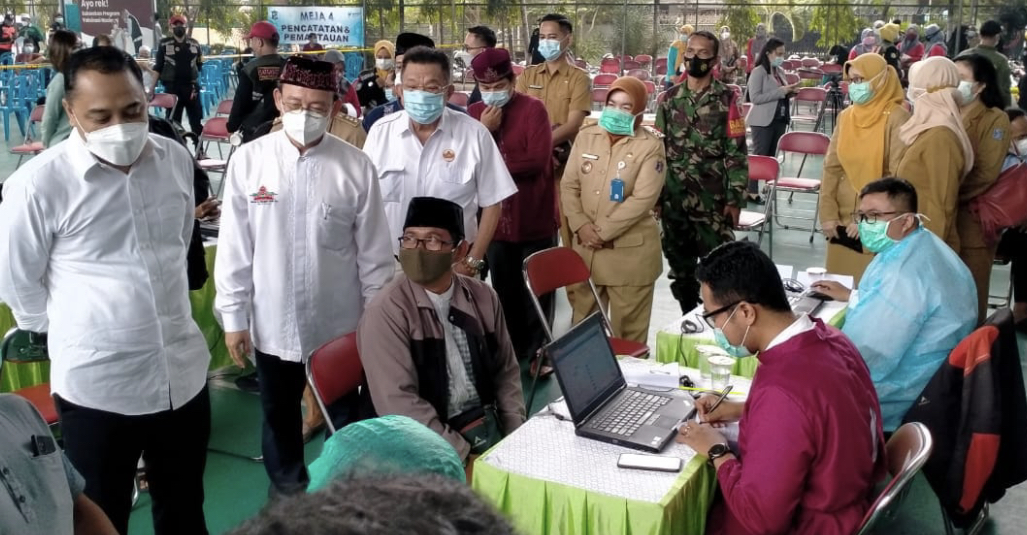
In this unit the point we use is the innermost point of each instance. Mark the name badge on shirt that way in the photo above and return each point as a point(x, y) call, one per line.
point(534, 87)
point(617, 190)
point(589, 156)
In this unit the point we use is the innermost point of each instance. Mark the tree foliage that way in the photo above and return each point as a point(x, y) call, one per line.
point(742, 19)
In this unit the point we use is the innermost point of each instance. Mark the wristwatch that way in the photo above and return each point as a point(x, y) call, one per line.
point(717, 451)
point(474, 263)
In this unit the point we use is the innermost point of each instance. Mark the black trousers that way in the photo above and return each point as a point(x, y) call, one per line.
point(105, 447)
point(1013, 246)
point(191, 105)
point(764, 142)
point(281, 390)
point(506, 259)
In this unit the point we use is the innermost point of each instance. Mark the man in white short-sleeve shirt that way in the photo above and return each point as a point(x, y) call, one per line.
point(431, 151)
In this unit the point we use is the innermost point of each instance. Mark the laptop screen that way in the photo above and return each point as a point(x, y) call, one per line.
point(585, 366)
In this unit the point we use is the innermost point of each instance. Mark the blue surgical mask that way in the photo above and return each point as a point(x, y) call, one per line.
point(860, 93)
point(777, 62)
point(496, 98)
point(423, 107)
point(617, 122)
point(549, 48)
point(736, 351)
point(874, 236)
point(388, 95)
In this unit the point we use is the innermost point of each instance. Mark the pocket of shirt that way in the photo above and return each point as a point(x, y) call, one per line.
point(333, 227)
point(391, 183)
point(172, 220)
point(452, 174)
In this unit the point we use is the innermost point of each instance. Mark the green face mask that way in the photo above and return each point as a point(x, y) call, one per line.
point(425, 267)
point(617, 122)
point(874, 236)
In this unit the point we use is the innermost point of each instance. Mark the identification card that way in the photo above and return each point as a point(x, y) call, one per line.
point(617, 190)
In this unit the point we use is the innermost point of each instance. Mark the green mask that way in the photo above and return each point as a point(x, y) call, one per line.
point(874, 236)
point(617, 122)
point(423, 267)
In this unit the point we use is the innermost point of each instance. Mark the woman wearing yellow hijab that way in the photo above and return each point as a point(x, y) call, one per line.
point(384, 60)
point(865, 147)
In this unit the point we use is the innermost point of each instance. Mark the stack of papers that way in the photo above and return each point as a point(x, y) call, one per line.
point(644, 373)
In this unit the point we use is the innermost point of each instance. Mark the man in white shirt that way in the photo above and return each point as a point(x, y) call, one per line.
point(95, 232)
point(303, 246)
point(432, 151)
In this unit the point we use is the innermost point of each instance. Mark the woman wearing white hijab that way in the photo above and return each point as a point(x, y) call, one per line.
point(939, 153)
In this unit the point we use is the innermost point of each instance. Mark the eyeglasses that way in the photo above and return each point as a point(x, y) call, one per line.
point(858, 217)
point(431, 243)
point(708, 317)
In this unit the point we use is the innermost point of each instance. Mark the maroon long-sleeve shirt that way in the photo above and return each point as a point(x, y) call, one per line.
point(811, 446)
point(525, 139)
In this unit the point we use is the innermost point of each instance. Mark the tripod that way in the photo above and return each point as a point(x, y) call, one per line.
point(835, 102)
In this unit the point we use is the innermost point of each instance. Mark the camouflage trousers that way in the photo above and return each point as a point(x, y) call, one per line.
point(686, 239)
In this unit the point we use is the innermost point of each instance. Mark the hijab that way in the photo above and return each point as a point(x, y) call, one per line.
point(636, 90)
point(932, 89)
point(862, 134)
point(908, 44)
point(391, 49)
point(760, 40)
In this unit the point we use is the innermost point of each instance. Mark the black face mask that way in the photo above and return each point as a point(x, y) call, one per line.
point(700, 68)
point(179, 31)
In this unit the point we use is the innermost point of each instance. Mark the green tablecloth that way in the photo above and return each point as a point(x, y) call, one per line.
point(542, 507)
point(673, 347)
point(15, 376)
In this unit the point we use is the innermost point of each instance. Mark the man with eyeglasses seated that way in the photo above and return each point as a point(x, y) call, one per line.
point(434, 344)
point(915, 302)
point(303, 247)
point(810, 444)
point(433, 151)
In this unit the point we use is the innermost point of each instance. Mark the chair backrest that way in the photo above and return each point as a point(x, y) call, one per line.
point(459, 98)
point(791, 78)
point(641, 74)
point(810, 62)
point(215, 128)
point(610, 61)
point(224, 107)
point(604, 79)
point(661, 70)
point(551, 269)
point(165, 101)
point(37, 113)
point(660, 62)
point(763, 168)
point(599, 95)
point(644, 59)
point(334, 370)
point(830, 68)
point(908, 451)
point(581, 64)
point(650, 87)
point(518, 70)
point(810, 74)
point(630, 64)
point(804, 143)
point(612, 68)
point(811, 94)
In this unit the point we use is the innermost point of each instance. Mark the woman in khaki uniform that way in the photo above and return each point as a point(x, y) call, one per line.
point(612, 181)
point(988, 129)
point(939, 153)
point(864, 148)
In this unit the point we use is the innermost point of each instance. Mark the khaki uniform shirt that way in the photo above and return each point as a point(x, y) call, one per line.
point(632, 256)
point(563, 89)
point(343, 126)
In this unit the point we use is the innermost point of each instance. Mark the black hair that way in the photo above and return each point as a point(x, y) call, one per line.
point(102, 40)
point(984, 72)
point(740, 271)
point(772, 44)
point(711, 37)
point(103, 59)
point(990, 28)
point(311, 35)
point(422, 55)
point(381, 505)
point(562, 20)
point(486, 35)
point(1015, 113)
point(897, 21)
point(900, 192)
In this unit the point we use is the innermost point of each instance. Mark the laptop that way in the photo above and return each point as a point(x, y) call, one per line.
point(601, 404)
point(806, 302)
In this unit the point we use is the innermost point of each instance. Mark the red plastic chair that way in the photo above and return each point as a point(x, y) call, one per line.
point(814, 97)
point(831, 68)
point(650, 87)
point(215, 130)
point(660, 62)
point(791, 78)
point(641, 74)
point(19, 348)
point(807, 144)
point(581, 64)
point(224, 108)
point(610, 68)
point(645, 60)
point(334, 370)
point(549, 270)
point(810, 63)
point(767, 169)
point(459, 98)
point(30, 147)
point(164, 101)
point(661, 70)
point(518, 70)
point(630, 65)
point(599, 97)
point(603, 80)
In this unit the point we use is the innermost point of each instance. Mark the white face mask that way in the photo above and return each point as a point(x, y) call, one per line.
point(1021, 147)
point(384, 64)
point(725, 35)
point(119, 144)
point(304, 127)
point(966, 92)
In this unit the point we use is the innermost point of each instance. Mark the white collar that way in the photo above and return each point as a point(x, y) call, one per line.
point(799, 326)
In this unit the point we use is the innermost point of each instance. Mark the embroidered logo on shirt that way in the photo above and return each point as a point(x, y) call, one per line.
point(263, 196)
point(448, 155)
point(997, 134)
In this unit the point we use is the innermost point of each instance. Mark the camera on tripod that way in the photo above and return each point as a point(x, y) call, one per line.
point(833, 81)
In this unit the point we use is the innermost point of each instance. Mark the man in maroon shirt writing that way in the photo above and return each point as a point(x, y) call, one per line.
point(810, 444)
point(520, 126)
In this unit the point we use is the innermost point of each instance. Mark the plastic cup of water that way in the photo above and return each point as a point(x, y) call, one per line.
point(720, 370)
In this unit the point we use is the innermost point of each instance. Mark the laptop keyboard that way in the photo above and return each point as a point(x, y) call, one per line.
point(632, 412)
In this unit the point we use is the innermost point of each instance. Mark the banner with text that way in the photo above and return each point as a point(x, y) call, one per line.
point(129, 23)
point(334, 26)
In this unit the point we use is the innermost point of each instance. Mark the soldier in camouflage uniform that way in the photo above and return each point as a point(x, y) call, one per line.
point(707, 167)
